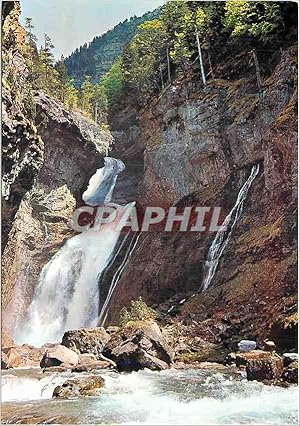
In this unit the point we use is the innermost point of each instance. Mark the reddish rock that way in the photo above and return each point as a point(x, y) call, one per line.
point(23, 356)
point(78, 387)
point(58, 355)
point(267, 369)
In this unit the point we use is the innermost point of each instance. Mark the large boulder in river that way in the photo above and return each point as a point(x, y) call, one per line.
point(24, 356)
point(86, 340)
point(139, 345)
point(264, 369)
point(77, 387)
point(58, 355)
point(241, 358)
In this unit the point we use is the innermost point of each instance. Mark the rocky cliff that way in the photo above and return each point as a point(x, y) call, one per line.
point(48, 159)
point(199, 146)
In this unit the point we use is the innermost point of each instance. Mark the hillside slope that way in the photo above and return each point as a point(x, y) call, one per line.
point(96, 58)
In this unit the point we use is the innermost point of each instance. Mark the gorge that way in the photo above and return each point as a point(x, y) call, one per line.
point(170, 308)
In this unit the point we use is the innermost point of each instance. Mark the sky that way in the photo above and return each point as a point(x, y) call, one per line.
point(70, 23)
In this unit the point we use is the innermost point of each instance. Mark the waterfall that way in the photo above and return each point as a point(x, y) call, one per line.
point(117, 276)
point(67, 294)
point(224, 234)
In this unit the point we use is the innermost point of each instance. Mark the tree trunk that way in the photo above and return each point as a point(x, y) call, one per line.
point(200, 59)
point(169, 69)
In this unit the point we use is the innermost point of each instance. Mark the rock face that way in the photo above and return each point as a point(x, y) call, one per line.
point(139, 345)
point(49, 155)
point(77, 387)
point(58, 355)
point(90, 340)
point(199, 147)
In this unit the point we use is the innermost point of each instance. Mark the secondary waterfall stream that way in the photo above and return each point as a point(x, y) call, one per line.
point(224, 234)
point(67, 295)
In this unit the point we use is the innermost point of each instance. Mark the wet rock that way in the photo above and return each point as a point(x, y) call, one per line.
point(91, 340)
point(86, 358)
point(243, 357)
point(290, 373)
point(246, 345)
point(288, 358)
point(139, 345)
point(62, 368)
point(78, 387)
point(23, 356)
point(112, 329)
point(90, 366)
point(59, 355)
point(265, 369)
point(4, 361)
point(230, 359)
point(269, 345)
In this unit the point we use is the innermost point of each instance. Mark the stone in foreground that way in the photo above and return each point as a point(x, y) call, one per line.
point(78, 387)
point(266, 369)
point(139, 345)
point(91, 340)
point(58, 355)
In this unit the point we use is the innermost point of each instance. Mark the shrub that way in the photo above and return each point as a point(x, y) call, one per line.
point(138, 311)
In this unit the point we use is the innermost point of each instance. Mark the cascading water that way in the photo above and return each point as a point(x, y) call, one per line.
point(223, 235)
point(116, 278)
point(67, 294)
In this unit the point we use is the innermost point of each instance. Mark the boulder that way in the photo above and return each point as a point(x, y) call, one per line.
point(242, 358)
point(87, 358)
point(112, 329)
point(230, 359)
point(269, 345)
point(139, 345)
point(58, 355)
point(90, 366)
point(264, 369)
point(4, 361)
point(246, 345)
point(290, 373)
point(62, 368)
point(91, 340)
point(288, 358)
point(77, 387)
point(23, 356)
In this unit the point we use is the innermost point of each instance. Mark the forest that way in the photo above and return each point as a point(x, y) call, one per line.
point(96, 79)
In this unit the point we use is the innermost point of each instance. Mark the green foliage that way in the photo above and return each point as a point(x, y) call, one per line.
point(112, 85)
point(139, 311)
point(96, 58)
point(256, 19)
point(146, 58)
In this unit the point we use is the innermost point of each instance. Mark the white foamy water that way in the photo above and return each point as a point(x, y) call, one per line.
point(222, 237)
point(15, 388)
point(173, 398)
point(67, 294)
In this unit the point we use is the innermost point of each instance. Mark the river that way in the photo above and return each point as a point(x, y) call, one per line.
point(177, 397)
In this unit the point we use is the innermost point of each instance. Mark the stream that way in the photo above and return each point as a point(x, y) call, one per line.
point(179, 397)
